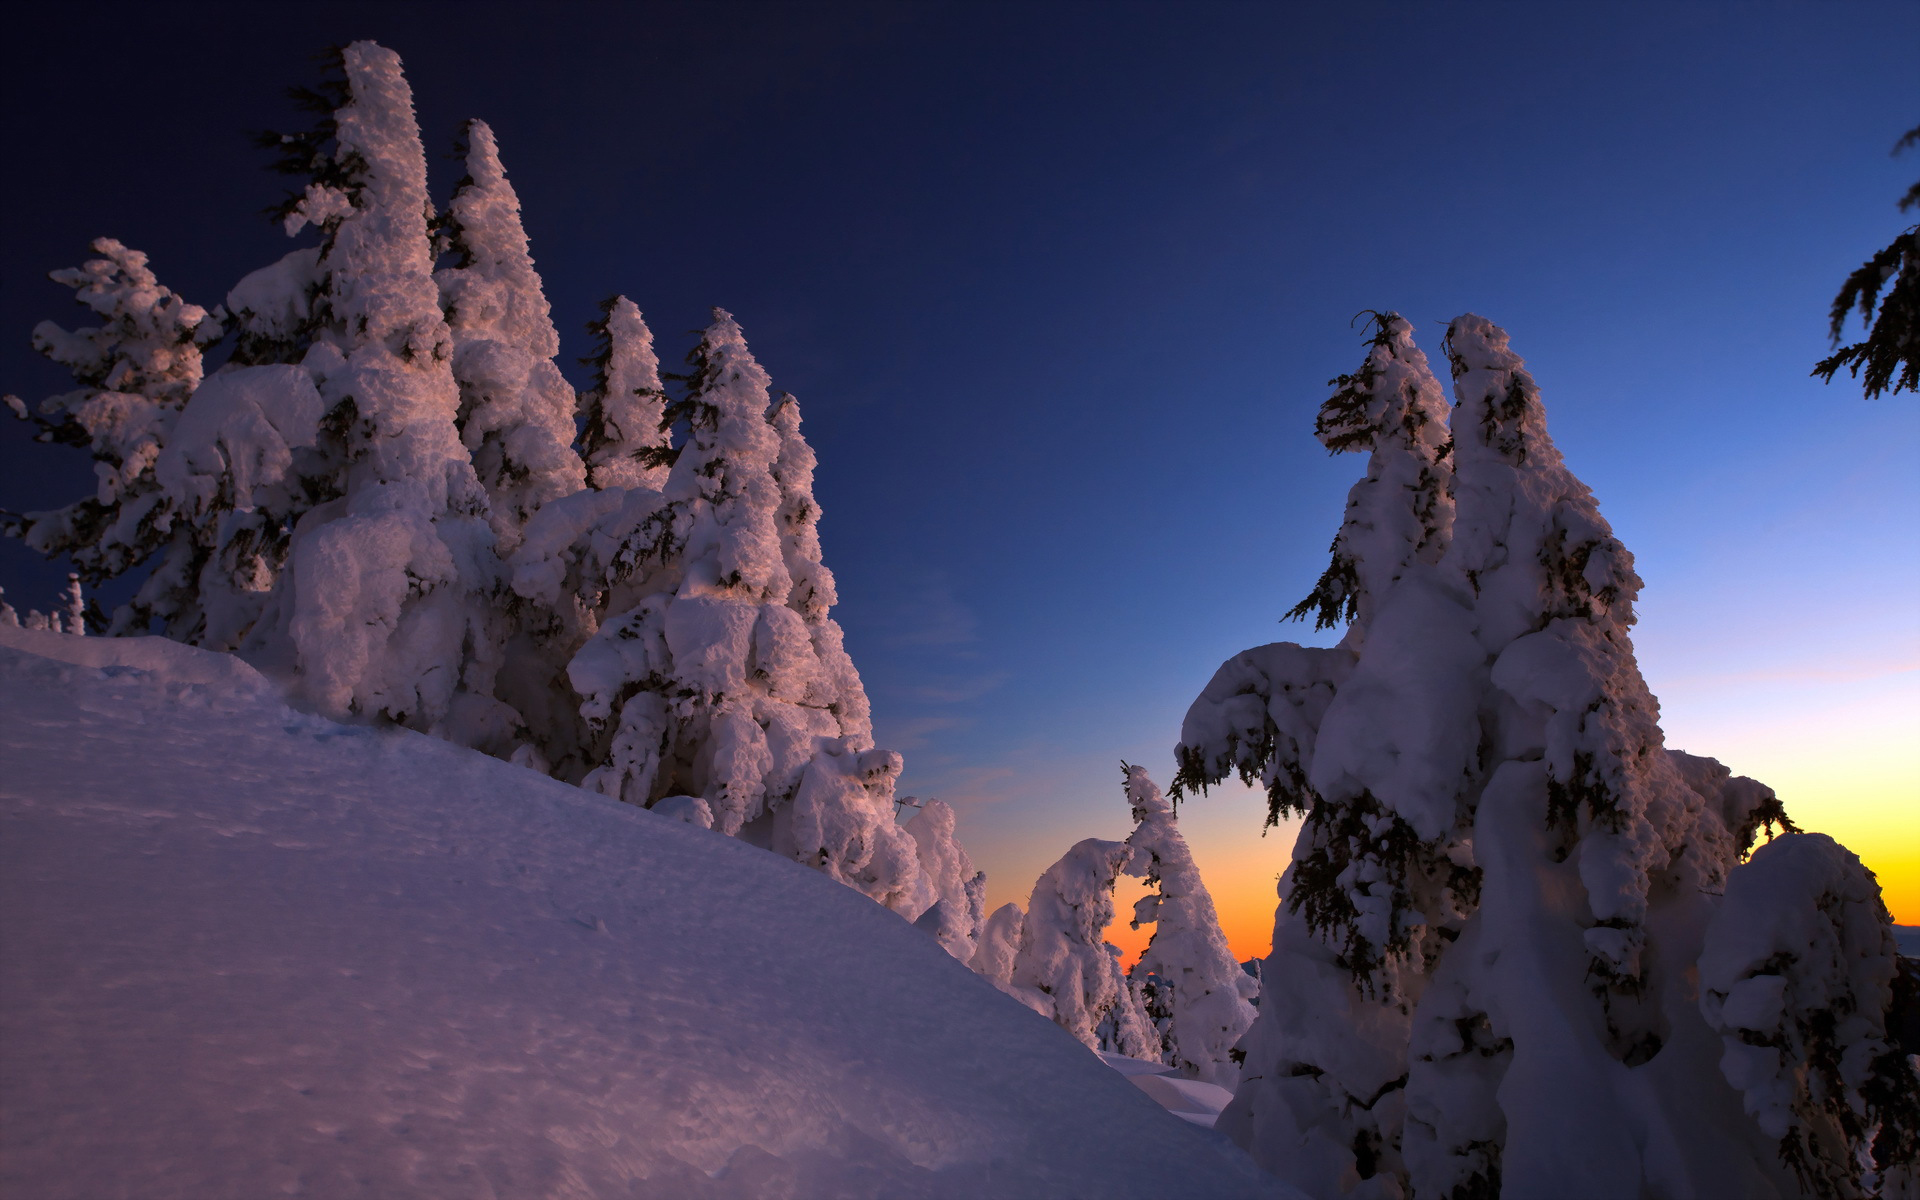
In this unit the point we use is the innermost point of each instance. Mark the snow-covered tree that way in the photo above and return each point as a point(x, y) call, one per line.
point(998, 948)
point(382, 607)
point(717, 680)
point(1797, 977)
point(1402, 511)
point(957, 917)
point(516, 409)
point(1479, 978)
point(625, 438)
point(1201, 1010)
point(1065, 969)
point(136, 370)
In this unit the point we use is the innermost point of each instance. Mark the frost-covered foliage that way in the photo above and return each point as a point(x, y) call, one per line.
point(1797, 978)
point(1065, 969)
point(718, 671)
point(516, 410)
point(1200, 1008)
point(1480, 978)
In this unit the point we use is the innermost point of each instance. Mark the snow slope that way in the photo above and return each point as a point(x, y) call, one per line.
point(249, 952)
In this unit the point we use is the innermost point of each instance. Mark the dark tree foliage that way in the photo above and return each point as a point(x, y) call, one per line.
point(1890, 355)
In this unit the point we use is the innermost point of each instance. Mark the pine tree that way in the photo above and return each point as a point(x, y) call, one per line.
point(516, 409)
point(1892, 345)
point(957, 916)
point(1203, 993)
point(625, 437)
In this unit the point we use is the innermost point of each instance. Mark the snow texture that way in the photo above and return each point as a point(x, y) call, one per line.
point(255, 952)
point(1200, 1001)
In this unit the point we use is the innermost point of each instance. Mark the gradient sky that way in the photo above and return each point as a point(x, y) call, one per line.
point(1059, 287)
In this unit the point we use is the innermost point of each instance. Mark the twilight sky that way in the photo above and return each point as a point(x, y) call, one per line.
point(1059, 287)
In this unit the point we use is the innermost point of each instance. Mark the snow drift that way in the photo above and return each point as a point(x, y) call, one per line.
point(253, 952)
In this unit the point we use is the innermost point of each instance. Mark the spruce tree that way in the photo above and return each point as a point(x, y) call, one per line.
point(516, 409)
point(1402, 512)
point(1798, 977)
point(1202, 1008)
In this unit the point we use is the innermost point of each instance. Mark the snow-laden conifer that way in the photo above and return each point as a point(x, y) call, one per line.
point(136, 371)
point(1065, 969)
point(516, 409)
point(1204, 1012)
point(711, 677)
point(957, 916)
point(1402, 511)
point(625, 438)
point(1797, 977)
point(1479, 982)
point(381, 608)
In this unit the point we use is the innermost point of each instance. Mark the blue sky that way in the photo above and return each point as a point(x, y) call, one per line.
point(1059, 287)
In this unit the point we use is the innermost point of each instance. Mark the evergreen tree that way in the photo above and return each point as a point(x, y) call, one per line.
point(957, 916)
point(1065, 970)
point(625, 436)
point(136, 371)
point(1201, 1004)
point(383, 607)
point(1797, 977)
point(516, 410)
point(1402, 512)
point(1890, 354)
point(1499, 890)
point(712, 682)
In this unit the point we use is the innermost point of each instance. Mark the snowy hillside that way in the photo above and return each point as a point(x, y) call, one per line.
point(249, 952)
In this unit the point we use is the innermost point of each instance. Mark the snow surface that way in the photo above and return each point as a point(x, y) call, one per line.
point(251, 952)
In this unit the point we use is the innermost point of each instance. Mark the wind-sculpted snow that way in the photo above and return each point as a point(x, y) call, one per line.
point(251, 952)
